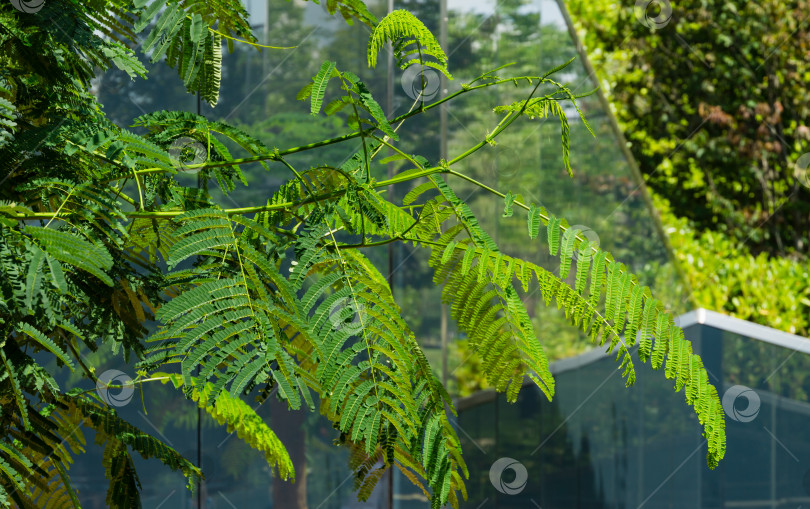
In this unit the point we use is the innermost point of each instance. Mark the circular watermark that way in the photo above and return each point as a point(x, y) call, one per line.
point(514, 486)
point(661, 9)
point(347, 315)
point(186, 152)
point(115, 387)
point(507, 164)
point(589, 235)
point(801, 170)
point(420, 82)
point(733, 410)
point(28, 6)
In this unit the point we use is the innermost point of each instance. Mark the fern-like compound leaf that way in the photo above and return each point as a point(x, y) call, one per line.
point(647, 328)
point(553, 230)
point(319, 84)
point(241, 419)
point(567, 251)
point(371, 105)
point(410, 37)
point(45, 342)
point(634, 310)
point(183, 33)
point(534, 221)
point(508, 200)
point(73, 250)
point(626, 304)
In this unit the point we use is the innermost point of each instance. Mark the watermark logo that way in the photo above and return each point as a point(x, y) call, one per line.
point(588, 234)
point(115, 387)
point(347, 315)
point(420, 82)
point(514, 486)
point(801, 170)
point(736, 394)
point(28, 6)
point(653, 14)
point(186, 152)
point(507, 164)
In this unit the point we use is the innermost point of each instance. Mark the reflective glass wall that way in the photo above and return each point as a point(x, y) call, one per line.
point(599, 445)
point(258, 95)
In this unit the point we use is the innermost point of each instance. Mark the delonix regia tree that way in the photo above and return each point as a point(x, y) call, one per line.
point(101, 244)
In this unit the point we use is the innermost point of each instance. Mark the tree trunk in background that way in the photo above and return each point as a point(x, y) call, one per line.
point(289, 427)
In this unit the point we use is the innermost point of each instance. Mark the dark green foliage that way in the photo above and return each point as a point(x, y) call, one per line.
point(731, 100)
point(183, 33)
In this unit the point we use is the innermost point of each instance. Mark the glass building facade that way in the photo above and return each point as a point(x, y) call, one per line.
point(598, 444)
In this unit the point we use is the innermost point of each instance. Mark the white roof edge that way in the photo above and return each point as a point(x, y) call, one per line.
point(744, 328)
point(698, 316)
point(703, 316)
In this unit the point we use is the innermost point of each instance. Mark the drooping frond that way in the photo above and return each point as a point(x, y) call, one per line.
point(629, 310)
point(544, 107)
point(56, 435)
point(477, 281)
point(241, 419)
point(119, 437)
point(184, 34)
point(488, 309)
point(628, 302)
point(44, 463)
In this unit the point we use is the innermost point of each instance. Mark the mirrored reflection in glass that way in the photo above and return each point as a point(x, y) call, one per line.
point(599, 445)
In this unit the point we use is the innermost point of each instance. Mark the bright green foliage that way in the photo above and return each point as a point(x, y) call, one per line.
point(318, 88)
point(242, 419)
point(358, 97)
point(543, 107)
point(723, 275)
point(277, 298)
point(409, 37)
point(506, 354)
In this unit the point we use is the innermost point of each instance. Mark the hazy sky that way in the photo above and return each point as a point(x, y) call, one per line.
point(549, 12)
